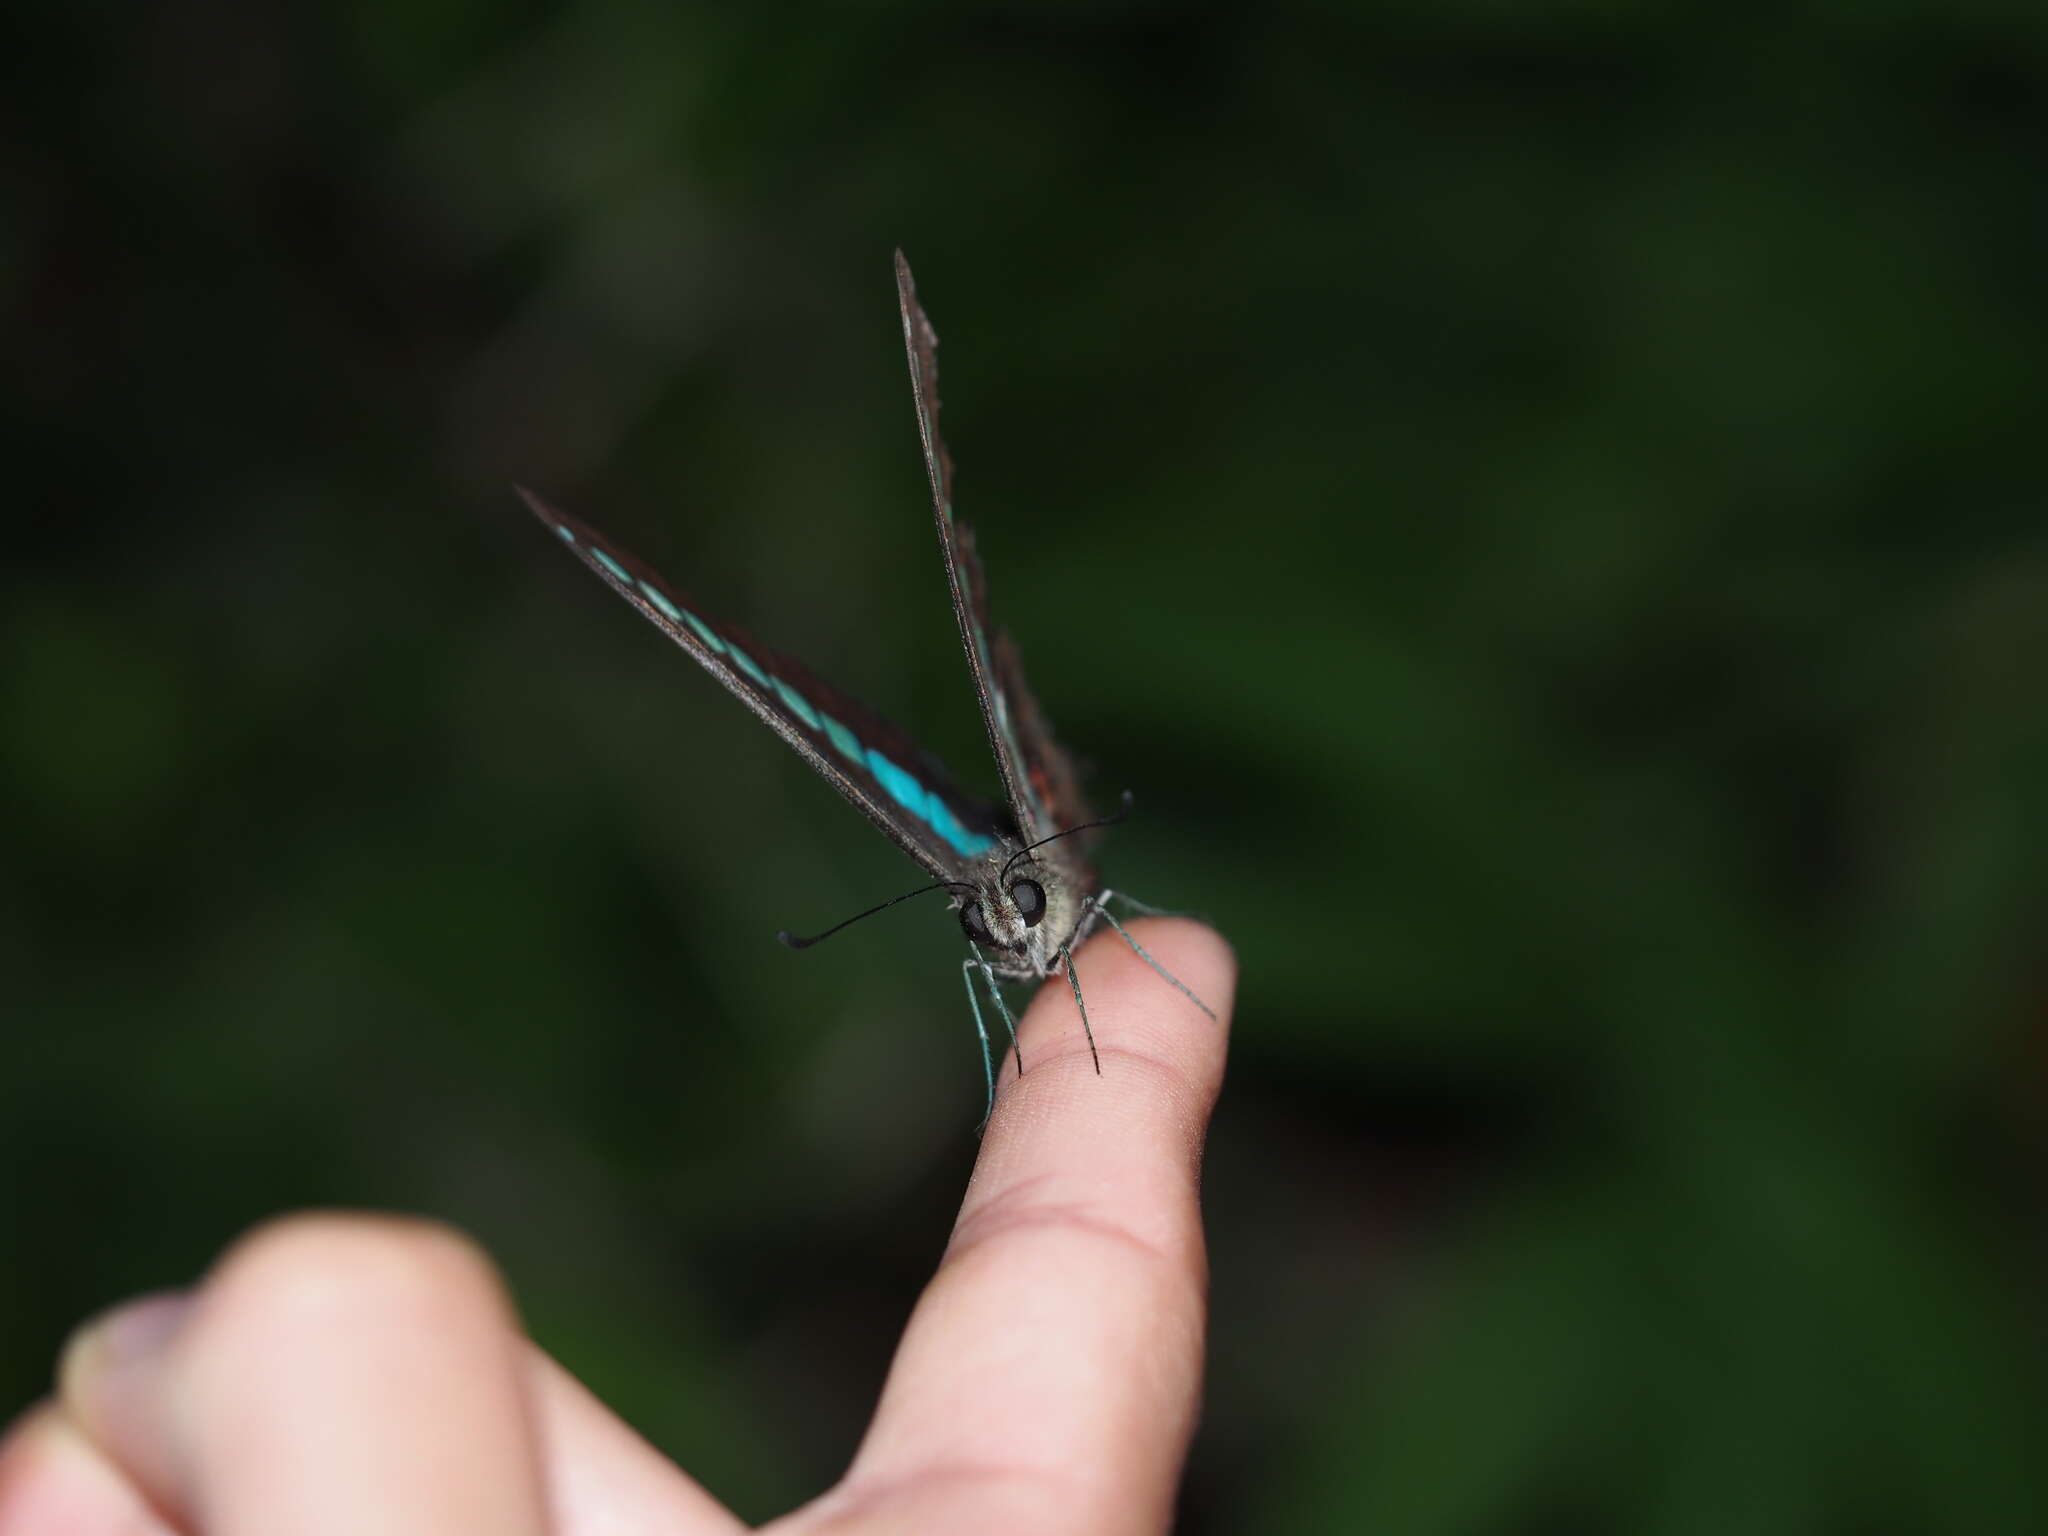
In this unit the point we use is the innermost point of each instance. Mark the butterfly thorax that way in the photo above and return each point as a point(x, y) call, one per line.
point(1026, 909)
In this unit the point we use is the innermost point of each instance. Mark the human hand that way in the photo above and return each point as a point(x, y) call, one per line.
point(341, 1373)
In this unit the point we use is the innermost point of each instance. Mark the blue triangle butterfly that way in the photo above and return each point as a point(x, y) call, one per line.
point(1019, 879)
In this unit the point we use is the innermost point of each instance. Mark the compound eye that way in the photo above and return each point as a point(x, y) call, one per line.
point(974, 925)
point(1029, 896)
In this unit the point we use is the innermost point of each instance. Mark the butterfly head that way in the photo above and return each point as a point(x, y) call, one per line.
point(1025, 908)
point(1026, 905)
point(1002, 915)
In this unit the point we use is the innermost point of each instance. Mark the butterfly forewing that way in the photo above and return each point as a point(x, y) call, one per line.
point(895, 783)
point(1037, 775)
point(1049, 773)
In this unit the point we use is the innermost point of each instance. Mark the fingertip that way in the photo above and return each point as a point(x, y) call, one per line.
point(1193, 951)
point(1156, 990)
point(112, 1365)
point(306, 1262)
point(1076, 1278)
point(53, 1479)
point(1157, 994)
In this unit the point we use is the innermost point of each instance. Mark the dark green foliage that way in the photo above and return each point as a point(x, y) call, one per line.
point(1546, 511)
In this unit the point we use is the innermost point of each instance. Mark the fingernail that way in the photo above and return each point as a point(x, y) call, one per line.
point(113, 1349)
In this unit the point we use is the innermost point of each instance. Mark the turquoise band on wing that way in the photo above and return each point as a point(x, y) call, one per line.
point(705, 633)
point(746, 664)
point(846, 743)
point(926, 806)
point(797, 704)
point(902, 787)
point(940, 818)
point(660, 600)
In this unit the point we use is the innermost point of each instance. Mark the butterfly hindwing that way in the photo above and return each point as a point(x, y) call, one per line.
point(1038, 776)
point(897, 785)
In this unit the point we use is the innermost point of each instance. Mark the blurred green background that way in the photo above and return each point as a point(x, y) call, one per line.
point(1543, 505)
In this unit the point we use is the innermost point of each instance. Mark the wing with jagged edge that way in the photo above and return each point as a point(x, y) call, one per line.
point(1038, 776)
point(896, 784)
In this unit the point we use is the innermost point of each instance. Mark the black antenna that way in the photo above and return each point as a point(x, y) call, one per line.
point(1086, 826)
point(796, 943)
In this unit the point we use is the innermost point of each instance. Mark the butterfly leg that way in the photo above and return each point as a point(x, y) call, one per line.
point(1101, 904)
point(1074, 981)
point(1142, 908)
point(1009, 1021)
point(988, 1067)
point(995, 992)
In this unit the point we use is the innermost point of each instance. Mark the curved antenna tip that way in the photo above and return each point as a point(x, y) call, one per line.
point(794, 942)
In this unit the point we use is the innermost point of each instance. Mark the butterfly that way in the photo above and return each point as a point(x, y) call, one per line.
point(1018, 873)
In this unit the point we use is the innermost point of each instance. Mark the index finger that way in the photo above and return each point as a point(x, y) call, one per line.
point(1049, 1376)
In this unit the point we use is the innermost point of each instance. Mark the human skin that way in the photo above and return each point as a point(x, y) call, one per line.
point(337, 1373)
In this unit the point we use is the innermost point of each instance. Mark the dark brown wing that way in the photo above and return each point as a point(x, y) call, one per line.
point(895, 783)
point(1038, 777)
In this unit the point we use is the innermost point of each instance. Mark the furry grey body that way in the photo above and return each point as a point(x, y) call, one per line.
point(1018, 949)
